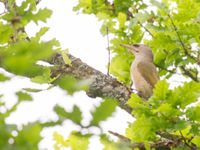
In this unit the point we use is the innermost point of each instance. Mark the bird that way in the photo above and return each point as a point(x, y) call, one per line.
point(143, 71)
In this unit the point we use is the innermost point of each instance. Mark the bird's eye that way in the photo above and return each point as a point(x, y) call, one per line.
point(136, 45)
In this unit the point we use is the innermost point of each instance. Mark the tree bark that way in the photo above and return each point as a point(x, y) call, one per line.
point(102, 85)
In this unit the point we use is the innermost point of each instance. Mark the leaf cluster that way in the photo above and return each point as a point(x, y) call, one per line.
point(166, 30)
point(170, 28)
point(170, 111)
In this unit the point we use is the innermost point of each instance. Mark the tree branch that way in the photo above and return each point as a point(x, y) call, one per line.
point(121, 137)
point(189, 74)
point(166, 142)
point(180, 40)
point(102, 85)
point(131, 16)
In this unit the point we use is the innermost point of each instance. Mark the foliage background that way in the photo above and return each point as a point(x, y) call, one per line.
point(174, 41)
point(62, 30)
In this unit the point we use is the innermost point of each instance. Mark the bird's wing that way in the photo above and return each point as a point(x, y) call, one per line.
point(149, 72)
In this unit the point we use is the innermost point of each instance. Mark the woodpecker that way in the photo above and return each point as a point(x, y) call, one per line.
point(143, 71)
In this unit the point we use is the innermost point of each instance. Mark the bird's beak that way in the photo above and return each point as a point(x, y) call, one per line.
point(129, 47)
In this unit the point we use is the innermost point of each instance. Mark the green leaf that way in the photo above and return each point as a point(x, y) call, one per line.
point(147, 146)
point(103, 111)
point(194, 130)
point(160, 57)
point(65, 57)
point(29, 137)
point(68, 83)
point(122, 20)
point(185, 95)
point(143, 17)
point(75, 115)
point(30, 4)
point(42, 15)
point(136, 102)
point(32, 90)
point(102, 16)
point(21, 57)
point(108, 24)
point(120, 67)
point(173, 56)
point(180, 125)
point(40, 33)
point(5, 130)
point(161, 90)
point(140, 107)
point(157, 28)
point(3, 77)
point(193, 113)
point(1, 102)
point(167, 110)
point(23, 96)
point(44, 78)
point(196, 140)
point(28, 16)
point(6, 32)
point(60, 142)
point(78, 141)
point(159, 5)
point(133, 23)
point(142, 129)
point(71, 84)
point(11, 3)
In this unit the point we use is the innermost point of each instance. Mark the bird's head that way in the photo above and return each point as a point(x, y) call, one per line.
point(139, 50)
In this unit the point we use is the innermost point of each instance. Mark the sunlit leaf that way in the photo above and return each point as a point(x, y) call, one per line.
point(65, 57)
point(121, 19)
point(60, 142)
point(32, 90)
point(71, 84)
point(44, 78)
point(75, 115)
point(193, 113)
point(3, 77)
point(29, 136)
point(23, 96)
point(78, 141)
point(42, 15)
point(185, 95)
point(161, 90)
point(40, 33)
point(103, 111)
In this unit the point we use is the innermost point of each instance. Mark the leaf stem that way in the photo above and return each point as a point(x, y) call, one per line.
point(180, 40)
point(108, 71)
point(131, 16)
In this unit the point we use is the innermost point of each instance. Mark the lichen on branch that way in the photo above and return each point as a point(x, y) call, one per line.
point(102, 85)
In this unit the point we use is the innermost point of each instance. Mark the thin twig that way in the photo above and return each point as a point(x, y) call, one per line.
point(171, 71)
point(131, 16)
point(191, 138)
point(3, 12)
point(108, 71)
point(38, 1)
point(183, 137)
point(179, 37)
point(145, 29)
point(186, 72)
point(121, 137)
